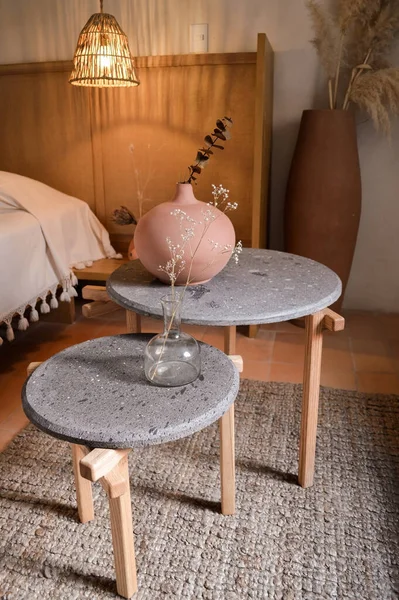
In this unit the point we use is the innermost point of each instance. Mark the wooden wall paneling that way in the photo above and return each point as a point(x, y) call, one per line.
point(96, 110)
point(45, 128)
point(151, 133)
point(192, 60)
point(262, 141)
point(129, 146)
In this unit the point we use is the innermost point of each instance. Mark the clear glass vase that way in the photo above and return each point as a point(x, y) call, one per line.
point(173, 357)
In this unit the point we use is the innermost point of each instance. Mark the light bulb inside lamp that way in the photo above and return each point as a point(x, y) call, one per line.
point(105, 60)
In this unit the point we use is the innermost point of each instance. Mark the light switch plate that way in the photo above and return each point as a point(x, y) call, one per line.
point(199, 37)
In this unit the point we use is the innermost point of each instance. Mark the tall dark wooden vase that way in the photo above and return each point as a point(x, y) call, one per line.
point(323, 200)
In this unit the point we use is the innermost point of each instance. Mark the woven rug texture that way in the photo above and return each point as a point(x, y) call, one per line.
point(338, 539)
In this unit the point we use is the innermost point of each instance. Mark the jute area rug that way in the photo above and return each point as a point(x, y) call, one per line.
point(338, 539)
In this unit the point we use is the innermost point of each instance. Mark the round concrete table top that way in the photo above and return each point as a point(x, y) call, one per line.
point(265, 286)
point(96, 394)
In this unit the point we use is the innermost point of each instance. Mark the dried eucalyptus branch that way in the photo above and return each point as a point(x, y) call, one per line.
point(221, 132)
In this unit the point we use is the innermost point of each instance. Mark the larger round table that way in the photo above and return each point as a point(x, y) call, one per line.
point(265, 286)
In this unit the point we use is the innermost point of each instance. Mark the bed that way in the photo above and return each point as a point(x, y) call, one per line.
point(43, 235)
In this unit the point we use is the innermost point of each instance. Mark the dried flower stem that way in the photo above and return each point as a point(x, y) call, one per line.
point(338, 69)
point(330, 94)
point(142, 184)
point(356, 73)
point(357, 37)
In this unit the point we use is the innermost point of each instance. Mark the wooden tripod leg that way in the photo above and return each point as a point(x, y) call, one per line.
point(227, 461)
point(122, 537)
point(310, 400)
point(133, 322)
point(84, 495)
point(253, 331)
point(230, 339)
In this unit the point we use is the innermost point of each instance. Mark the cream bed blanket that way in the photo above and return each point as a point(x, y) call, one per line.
point(43, 234)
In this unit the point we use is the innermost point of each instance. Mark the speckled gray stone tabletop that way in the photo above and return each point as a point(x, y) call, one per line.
point(96, 394)
point(265, 286)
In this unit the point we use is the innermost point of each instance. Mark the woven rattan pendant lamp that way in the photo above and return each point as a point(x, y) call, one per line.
point(102, 56)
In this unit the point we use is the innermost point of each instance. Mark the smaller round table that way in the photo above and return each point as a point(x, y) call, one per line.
point(95, 395)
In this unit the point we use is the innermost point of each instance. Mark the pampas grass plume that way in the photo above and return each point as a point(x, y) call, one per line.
point(356, 40)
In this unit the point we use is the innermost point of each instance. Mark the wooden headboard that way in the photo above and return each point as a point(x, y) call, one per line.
point(106, 146)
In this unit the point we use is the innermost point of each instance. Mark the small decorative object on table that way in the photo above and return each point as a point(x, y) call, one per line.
point(123, 216)
point(172, 358)
point(183, 242)
point(199, 236)
point(160, 223)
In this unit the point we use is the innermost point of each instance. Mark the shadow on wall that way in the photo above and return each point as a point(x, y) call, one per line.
point(48, 29)
point(299, 84)
point(374, 281)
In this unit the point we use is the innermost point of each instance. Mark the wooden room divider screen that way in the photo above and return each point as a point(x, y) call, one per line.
point(113, 147)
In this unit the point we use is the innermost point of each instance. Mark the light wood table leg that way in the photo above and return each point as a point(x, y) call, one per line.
point(253, 331)
point(133, 322)
point(84, 495)
point(230, 335)
point(227, 462)
point(227, 446)
point(310, 400)
point(122, 537)
point(110, 468)
point(314, 324)
point(32, 367)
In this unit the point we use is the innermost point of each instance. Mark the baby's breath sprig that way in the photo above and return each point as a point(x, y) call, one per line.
point(188, 227)
point(220, 198)
point(237, 251)
point(176, 263)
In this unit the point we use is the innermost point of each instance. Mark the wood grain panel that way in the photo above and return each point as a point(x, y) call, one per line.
point(262, 141)
point(109, 146)
point(46, 133)
point(151, 134)
point(172, 60)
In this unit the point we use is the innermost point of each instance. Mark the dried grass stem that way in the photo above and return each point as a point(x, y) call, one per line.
point(356, 37)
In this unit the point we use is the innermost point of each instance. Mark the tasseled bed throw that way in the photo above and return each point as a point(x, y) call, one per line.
point(39, 302)
point(61, 233)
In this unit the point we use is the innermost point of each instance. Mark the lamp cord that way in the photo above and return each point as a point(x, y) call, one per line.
point(101, 5)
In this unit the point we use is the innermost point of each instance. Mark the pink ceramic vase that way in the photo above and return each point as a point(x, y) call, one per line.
point(158, 224)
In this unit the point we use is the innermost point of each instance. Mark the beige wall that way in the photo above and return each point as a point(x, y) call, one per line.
point(48, 30)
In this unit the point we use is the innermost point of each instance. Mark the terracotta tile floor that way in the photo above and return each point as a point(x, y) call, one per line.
point(364, 357)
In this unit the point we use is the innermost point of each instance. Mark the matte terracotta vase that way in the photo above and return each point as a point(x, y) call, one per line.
point(323, 200)
point(159, 224)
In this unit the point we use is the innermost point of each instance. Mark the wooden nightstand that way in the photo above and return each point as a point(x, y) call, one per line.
point(98, 272)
